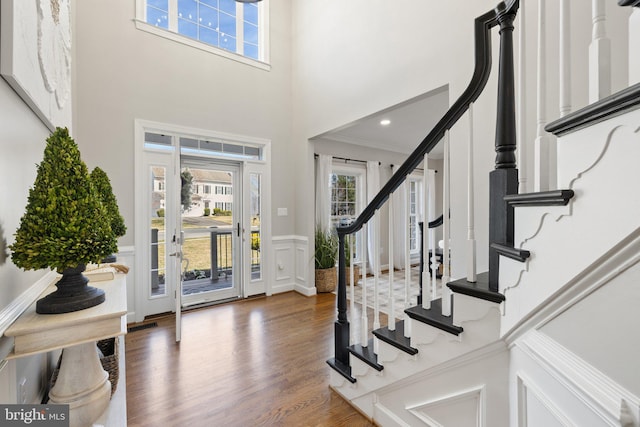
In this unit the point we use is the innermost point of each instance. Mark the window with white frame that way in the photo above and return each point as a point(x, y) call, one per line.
point(347, 197)
point(415, 213)
point(231, 26)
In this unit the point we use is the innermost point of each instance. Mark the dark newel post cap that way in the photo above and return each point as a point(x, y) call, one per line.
point(633, 3)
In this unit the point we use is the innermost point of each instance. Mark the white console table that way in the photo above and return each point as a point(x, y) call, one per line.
point(81, 382)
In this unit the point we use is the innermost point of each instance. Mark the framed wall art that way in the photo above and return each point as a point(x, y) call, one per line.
point(35, 56)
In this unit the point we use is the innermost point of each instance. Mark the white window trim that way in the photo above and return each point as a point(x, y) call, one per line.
point(141, 24)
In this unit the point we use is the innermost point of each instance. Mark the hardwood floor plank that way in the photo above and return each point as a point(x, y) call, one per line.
point(256, 362)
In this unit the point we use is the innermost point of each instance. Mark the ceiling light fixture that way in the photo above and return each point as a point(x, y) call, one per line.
point(385, 122)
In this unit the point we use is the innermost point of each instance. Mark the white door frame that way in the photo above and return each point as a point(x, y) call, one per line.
point(249, 165)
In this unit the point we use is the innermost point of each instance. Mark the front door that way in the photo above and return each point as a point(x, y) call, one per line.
point(211, 224)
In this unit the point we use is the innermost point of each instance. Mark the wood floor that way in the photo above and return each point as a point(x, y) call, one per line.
point(258, 362)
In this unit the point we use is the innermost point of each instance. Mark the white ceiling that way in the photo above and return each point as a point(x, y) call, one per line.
point(411, 121)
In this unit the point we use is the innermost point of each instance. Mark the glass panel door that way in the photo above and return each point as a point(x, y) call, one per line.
point(210, 223)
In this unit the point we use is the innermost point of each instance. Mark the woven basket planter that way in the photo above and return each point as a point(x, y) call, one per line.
point(326, 279)
point(356, 275)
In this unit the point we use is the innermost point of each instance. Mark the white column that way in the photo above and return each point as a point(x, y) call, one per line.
point(565, 58)
point(364, 333)
point(407, 257)
point(392, 308)
point(522, 104)
point(446, 275)
point(542, 149)
point(634, 46)
point(426, 259)
point(471, 234)
point(376, 270)
point(599, 54)
point(352, 305)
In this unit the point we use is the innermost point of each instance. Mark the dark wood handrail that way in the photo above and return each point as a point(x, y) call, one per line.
point(482, 70)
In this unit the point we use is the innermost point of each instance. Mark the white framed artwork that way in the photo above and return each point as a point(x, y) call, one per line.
point(35, 56)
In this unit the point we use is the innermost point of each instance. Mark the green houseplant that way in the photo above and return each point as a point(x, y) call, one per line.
point(101, 182)
point(326, 254)
point(65, 226)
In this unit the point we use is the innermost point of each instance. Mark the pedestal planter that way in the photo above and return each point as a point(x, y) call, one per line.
point(326, 279)
point(72, 294)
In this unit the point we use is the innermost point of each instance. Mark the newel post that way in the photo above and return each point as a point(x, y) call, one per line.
point(504, 179)
point(342, 324)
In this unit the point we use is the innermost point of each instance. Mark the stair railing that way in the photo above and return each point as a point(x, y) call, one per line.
point(502, 178)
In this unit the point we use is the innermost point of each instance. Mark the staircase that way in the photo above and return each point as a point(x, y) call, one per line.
point(459, 357)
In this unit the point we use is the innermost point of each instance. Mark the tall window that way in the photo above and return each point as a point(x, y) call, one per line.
point(415, 213)
point(226, 24)
point(343, 198)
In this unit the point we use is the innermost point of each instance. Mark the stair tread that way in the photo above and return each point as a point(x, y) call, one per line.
point(342, 369)
point(433, 316)
point(396, 338)
point(541, 198)
point(366, 354)
point(480, 289)
point(511, 252)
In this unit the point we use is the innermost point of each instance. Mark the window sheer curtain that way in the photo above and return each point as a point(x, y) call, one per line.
point(400, 227)
point(373, 187)
point(323, 196)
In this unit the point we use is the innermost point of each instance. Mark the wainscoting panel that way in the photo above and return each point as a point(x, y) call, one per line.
point(290, 264)
point(127, 256)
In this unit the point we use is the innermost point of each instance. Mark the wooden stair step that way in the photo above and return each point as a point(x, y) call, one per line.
point(542, 198)
point(433, 316)
point(342, 369)
point(479, 289)
point(366, 354)
point(511, 252)
point(396, 338)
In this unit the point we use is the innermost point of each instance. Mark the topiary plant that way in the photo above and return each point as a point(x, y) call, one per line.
point(64, 225)
point(102, 184)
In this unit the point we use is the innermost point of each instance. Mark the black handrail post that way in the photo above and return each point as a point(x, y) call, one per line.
point(421, 225)
point(342, 324)
point(504, 179)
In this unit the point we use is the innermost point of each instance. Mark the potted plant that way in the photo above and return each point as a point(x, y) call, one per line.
point(101, 182)
point(326, 254)
point(64, 227)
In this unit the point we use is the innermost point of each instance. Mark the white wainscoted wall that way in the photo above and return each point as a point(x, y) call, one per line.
point(291, 257)
point(126, 256)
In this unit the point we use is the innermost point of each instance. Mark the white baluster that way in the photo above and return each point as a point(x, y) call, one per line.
point(392, 308)
point(376, 270)
point(352, 287)
point(542, 166)
point(599, 55)
point(565, 58)
point(522, 102)
point(634, 46)
point(446, 274)
point(426, 280)
point(407, 256)
point(471, 233)
point(364, 333)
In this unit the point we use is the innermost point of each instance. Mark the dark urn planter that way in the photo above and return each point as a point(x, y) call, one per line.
point(73, 294)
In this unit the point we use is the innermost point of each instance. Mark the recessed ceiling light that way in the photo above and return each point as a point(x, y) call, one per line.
point(385, 122)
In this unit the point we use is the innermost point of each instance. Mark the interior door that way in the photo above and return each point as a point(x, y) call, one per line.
point(212, 226)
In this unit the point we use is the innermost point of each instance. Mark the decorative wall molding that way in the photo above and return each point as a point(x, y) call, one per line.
point(606, 398)
point(526, 387)
point(477, 394)
point(14, 309)
point(291, 265)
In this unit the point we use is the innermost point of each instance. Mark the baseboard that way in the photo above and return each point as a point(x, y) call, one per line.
point(308, 292)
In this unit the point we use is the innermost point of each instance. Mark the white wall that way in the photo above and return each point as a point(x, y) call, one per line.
point(377, 55)
point(123, 74)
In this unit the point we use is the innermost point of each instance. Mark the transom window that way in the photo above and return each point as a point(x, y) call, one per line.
point(225, 24)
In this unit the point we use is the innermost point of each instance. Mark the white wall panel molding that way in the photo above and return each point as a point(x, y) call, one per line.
point(528, 389)
point(12, 311)
point(290, 265)
point(473, 399)
point(612, 264)
point(127, 256)
point(613, 404)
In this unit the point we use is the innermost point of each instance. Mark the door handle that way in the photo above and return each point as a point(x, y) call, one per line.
point(238, 229)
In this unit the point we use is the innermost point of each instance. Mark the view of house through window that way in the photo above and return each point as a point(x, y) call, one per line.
point(225, 24)
point(343, 198)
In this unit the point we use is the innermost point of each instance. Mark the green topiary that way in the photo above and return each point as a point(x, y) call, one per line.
point(101, 182)
point(64, 224)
